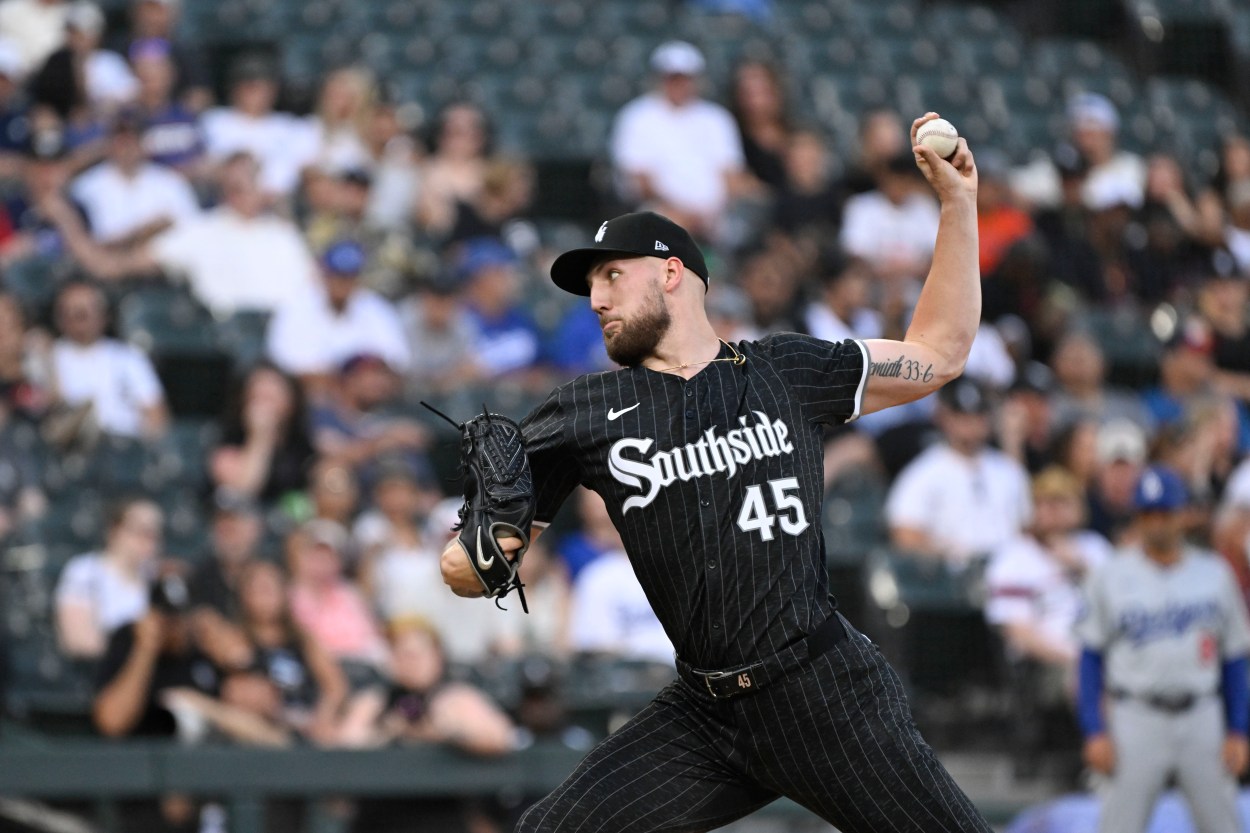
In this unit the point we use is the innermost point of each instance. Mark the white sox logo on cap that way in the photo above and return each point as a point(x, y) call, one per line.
point(603, 229)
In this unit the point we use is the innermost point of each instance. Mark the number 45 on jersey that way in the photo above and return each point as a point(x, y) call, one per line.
point(786, 509)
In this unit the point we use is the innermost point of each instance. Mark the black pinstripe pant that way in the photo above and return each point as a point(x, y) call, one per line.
point(836, 736)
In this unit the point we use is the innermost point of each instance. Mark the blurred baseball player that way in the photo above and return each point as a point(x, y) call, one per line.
point(709, 458)
point(1165, 645)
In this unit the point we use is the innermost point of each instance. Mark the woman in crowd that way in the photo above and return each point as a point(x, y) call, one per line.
point(265, 448)
point(100, 591)
point(759, 107)
point(455, 169)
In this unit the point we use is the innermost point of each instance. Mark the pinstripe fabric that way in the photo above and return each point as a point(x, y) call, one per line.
point(715, 484)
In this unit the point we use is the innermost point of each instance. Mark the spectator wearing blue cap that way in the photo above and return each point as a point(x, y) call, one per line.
point(312, 334)
point(1163, 690)
point(507, 339)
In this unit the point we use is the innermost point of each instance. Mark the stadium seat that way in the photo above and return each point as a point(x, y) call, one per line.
point(163, 319)
point(1059, 57)
point(962, 22)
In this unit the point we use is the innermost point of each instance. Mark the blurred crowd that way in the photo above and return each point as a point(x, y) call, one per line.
point(393, 258)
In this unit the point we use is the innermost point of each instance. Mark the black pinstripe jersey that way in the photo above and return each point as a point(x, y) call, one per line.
point(715, 484)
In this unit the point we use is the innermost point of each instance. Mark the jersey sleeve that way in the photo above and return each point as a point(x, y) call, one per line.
point(1235, 638)
point(552, 462)
point(1093, 626)
point(827, 377)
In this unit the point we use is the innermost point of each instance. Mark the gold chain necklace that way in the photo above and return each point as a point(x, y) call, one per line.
point(737, 358)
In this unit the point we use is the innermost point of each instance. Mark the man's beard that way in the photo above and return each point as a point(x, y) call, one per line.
point(637, 339)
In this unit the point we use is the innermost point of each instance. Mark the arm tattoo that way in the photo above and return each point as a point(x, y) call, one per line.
point(907, 370)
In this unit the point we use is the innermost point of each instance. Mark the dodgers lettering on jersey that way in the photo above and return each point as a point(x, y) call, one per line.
point(715, 484)
point(1164, 630)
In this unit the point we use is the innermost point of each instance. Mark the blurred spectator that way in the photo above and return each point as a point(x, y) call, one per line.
point(327, 606)
point(334, 493)
point(675, 152)
point(390, 258)
point(1003, 230)
point(290, 680)
point(808, 201)
point(157, 20)
point(595, 537)
point(1034, 580)
point(1074, 263)
point(265, 448)
point(893, 226)
point(1120, 454)
point(24, 382)
point(250, 125)
point(1231, 527)
point(14, 121)
point(395, 163)
point(1186, 369)
point(1026, 421)
point(234, 257)
point(35, 212)
point(80, 81)
point(129, 199)
point(171, 131)
point(442, 337)
point(398, 565)
point(423, 706)
point(1223, 303)
point(344, 111)
point(1080, 368)
point(234, 538)
point(881, 139)
point(758, 104)
point(1202, 447)
point(507, 339)
point(960, 499)
point(545, 630)
point(37, 27)
point(21, 497)
point(1094, 124)
point(770, 282)
point(98, 592)
point(310, 336)
point(459, 150)
point(576, 346)
point(610, 614)
point(506, 193)
point(109, 384)
point(354, 427)
point(1237, 231)
point(843, 309)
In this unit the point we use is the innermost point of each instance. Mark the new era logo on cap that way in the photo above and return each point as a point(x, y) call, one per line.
point(643, 234)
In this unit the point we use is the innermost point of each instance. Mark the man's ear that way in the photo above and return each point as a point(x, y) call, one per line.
point(674, 272)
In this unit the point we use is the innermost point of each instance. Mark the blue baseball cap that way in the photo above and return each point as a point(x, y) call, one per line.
point(345, 258)
point(483, 253)
point(1160, 489)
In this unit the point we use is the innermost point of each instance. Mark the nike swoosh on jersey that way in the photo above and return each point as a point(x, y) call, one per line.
point(613, 414)
point(484, 563)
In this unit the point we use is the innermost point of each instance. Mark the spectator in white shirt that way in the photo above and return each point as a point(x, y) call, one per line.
point(675, 152)
point(895, 226)
point(128, 198)
point(235, 257)
point(36, 26)
point(610, 613)
point(116, 380)
point(282, 144)
point(959, 500)
point(99, 592)
point(843, 310)
point(1034, 580)
point(312, 334)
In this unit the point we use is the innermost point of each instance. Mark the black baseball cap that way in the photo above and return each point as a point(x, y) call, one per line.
point(643, 234)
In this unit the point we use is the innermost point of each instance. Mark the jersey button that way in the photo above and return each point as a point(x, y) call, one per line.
point(690, 413)
point(705, 502)
point(716, 626)
point(711, 564)
point(689, 391)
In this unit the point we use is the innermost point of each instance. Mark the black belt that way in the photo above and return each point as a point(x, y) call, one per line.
point(1171, 703)
point(752, 678)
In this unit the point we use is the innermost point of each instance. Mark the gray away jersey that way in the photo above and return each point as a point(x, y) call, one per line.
point(715, 484)
point(1164, 630)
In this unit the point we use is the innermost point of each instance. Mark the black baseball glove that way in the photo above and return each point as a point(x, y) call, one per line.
point(498, 500)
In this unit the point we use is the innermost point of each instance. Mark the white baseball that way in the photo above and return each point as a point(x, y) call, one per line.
point(940, 136)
